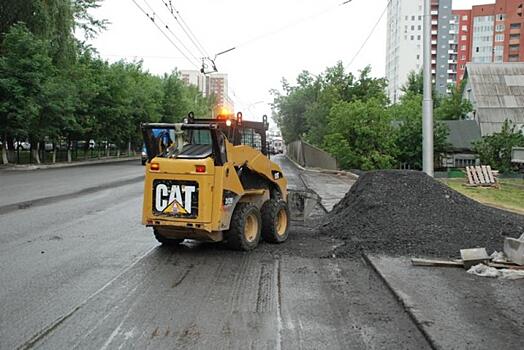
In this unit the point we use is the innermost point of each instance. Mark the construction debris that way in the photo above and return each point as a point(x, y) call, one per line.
point(514, 249)
point(489, 271)
point(480, 175)
point(474, 256)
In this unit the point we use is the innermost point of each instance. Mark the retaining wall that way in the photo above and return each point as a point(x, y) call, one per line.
point(310, 156)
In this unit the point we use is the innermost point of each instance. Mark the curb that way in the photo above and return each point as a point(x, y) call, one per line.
point(32, 167)
point(5, 209)
point(409, 310)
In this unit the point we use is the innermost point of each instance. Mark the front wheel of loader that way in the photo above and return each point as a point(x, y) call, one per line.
point(275, 221)
point(244, 230)
point(165, 240)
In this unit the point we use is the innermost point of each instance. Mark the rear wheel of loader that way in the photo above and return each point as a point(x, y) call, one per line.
point(244, 230)
point(165, 240)
point(275, 221)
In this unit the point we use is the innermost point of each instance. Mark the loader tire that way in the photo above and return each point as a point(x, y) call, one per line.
point(165, 240)
point(244, 230)
point(275, 221)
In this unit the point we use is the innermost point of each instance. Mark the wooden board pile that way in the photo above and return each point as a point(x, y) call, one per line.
point(480, 175)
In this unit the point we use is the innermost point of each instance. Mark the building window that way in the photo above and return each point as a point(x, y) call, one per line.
point(463, 47)
point(412, 37)
point(463, 37)
point(412, 18)
point(501, 16)
point(514, 26)
point(419, 27)
point(418, 37)
point(514, 37)
point(499, 37)
point(412, 27)
point(499, 28)
point(419, 18)
point(464, 28)
point(465, 18)
point(463, 58)
point(513, 58)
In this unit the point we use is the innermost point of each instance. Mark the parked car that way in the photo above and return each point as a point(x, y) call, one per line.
point(22, 145)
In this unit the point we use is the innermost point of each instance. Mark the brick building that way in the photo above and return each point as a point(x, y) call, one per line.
point(493, 34)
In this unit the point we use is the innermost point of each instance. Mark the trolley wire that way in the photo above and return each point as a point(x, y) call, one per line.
point(152, 19)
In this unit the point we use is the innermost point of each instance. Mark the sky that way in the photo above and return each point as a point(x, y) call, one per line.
point(274, 39)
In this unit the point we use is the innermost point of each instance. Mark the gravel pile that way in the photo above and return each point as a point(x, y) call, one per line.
point(410, 213)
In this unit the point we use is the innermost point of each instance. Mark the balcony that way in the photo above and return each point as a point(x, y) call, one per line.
point(434, 32)
point(514, 42)
point(434, 12)
point(433, 42)
point(514, 31)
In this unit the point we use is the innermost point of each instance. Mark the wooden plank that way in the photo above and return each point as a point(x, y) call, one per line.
point(479, 174)
point(474, 174)
point(506, 266)
point(435, 262)
point(485, 173)
point(470, 178)
point(490, 174)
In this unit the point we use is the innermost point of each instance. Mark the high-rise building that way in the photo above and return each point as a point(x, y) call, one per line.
point(194, 77)
point(208, 85)
point(404, 52)
point(462, 26)
point(490, 33)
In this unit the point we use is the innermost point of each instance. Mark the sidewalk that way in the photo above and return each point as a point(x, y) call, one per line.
point(330, 185)
point(26, 167)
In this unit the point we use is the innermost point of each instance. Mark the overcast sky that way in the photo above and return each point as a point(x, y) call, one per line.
point(274, 39)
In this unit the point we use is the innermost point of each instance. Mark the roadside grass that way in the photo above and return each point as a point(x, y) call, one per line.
point(509, 195)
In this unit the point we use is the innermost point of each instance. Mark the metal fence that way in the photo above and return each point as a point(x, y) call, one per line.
point(310, 156)
point(24, 153)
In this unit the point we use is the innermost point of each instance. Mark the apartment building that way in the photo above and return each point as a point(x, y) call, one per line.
point(404, 51)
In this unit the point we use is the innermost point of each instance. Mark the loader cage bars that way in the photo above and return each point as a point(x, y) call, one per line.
point(198, 141)
point(239, 132)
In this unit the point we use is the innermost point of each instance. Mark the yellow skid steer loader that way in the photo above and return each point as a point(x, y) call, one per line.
point(211, 180)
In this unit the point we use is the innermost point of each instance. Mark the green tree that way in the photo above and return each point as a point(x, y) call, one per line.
point(407, 117)
point(25, 71)
point(495, 149)
point(360, 135)
point(453, 106)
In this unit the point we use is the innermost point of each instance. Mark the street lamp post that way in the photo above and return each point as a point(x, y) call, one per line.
point(427, 110)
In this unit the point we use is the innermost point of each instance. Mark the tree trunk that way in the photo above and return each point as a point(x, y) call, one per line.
point(118, 153)
point(10, 143)
point(129, 149)
point(54, 153)
point(4, 153)
point(107, 149)
point(69, 157)
point(36, 154)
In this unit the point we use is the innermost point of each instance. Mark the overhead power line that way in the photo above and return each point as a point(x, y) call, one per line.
point(369, 35)
point(164, 23)
point(163, 33)
point(185, 27)
point(292, 24)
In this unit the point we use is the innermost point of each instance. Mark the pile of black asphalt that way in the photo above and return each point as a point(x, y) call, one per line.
point(411, 214)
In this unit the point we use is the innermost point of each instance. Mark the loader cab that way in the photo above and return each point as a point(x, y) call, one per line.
point(184, 141)
point(239, 131)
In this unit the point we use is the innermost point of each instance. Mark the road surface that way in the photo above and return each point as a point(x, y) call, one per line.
point(82, 272)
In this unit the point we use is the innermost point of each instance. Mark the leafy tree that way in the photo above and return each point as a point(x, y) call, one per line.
point(408, 132)
point(414, 84)
point(495, 149)
point(453, 106)
point(24, 75)
point(360, 135)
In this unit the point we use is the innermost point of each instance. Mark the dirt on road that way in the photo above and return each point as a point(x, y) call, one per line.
point(410, 213)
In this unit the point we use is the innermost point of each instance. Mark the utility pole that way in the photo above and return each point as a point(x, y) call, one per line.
point(427, 108)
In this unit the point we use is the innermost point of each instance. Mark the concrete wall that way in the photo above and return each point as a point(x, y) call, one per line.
point(310, 156)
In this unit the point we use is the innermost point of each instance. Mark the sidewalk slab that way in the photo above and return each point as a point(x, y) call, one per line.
point(330, 187)
point(457, 310)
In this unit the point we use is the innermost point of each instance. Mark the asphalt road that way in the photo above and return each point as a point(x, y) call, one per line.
point(82, 272)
